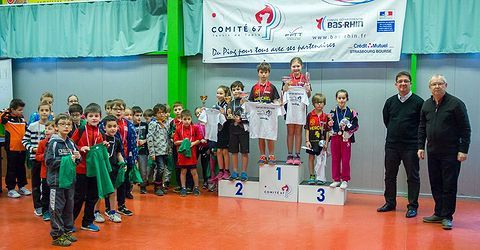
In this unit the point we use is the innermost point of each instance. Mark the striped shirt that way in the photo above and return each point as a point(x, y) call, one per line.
point(33, 135)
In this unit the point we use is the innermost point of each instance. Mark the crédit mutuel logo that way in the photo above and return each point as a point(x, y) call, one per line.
point(260, 23)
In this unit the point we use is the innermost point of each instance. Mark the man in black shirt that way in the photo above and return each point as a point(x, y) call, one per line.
point(401, 115)
point(445, 126)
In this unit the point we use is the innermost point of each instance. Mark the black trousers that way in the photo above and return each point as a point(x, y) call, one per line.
point(86, 191)
point(443, 172)
point(61, 208)
point(121, 196)
point(393, 157)
point(45, 195)
point(36, 183)
point(204, 160)
point(16, 172)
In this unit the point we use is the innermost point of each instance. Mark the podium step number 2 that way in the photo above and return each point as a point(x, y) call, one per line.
point(238, 189)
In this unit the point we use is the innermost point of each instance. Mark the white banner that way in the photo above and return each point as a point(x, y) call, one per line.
point(315, 30)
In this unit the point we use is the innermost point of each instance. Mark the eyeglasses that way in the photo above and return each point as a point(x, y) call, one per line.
point(63, 124)
point(403, 81)
point(437, 84)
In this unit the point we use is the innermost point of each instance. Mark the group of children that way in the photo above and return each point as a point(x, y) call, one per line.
point(67, 152)
point(337, 127)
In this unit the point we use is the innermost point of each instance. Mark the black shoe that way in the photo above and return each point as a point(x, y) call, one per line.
point(124, 210)
point(447, 224)
point(432, 219)
point(385, 208)
point(411, 213)
point(129, 196)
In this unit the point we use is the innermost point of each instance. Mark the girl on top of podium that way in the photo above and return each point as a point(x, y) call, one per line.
point(223, 135)
point(296, 113)
point(344, 125)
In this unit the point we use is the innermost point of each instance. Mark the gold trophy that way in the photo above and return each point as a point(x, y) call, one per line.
point(203, 98)
point(228, 99)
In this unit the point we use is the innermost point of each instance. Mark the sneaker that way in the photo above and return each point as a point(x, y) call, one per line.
point(205, 185)
point(344, 185)
point(183, 192)
point(70, 237)
point(243, 176)
point(159, 192)
point(143, 190)
point(196, 191)
point(219, 175)
point(290, 159)
point(212, 187)
point(320, 182)
point(74, 229)
point(46, 216)
point(189, 190)
point(98, 217)
point(61, 242)
point(13, 194)
point(311, 180)
point(234, 176)
point(335, 184)
point(92, 227)
point(296, 160)
point(226, 175)
point(271, 160)
point(263, 160)
point(125, 211)
point(177, 189)
point(24, 191)
point(114, 217)
point(38, 211)
point(129, 196)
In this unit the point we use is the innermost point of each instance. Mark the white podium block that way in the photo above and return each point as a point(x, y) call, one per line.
point(280, 182)
point(238, 189)
point(321, 194)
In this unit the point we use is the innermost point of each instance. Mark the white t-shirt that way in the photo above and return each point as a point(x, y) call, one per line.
point(297, 101)
point(211, 118)
point(263, 119)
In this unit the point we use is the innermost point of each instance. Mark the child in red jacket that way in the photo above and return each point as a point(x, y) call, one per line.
point(40, 157)
point(186, 131)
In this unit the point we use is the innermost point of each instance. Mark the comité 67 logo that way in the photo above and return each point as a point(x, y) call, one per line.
point(269, 18)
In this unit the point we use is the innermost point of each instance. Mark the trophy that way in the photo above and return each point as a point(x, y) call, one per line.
point(228, 99)
point(203, 98)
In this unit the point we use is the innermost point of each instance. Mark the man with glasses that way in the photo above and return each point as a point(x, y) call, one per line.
point(401, 115)
point(445, 126)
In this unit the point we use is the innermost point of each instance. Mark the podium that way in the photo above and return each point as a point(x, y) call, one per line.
point(239, 189)
point(321, 194)
point(280, 182)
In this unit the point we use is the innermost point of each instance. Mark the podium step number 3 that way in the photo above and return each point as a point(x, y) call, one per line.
point(321, 194)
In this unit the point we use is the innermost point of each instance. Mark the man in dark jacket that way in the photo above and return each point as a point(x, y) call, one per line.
point(445, 126)
point(401, 115)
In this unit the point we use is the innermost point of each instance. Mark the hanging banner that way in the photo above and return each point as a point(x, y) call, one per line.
point(315, 30)
point(46, 1)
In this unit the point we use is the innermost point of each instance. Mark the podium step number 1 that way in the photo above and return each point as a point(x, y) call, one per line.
point(280, 182)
